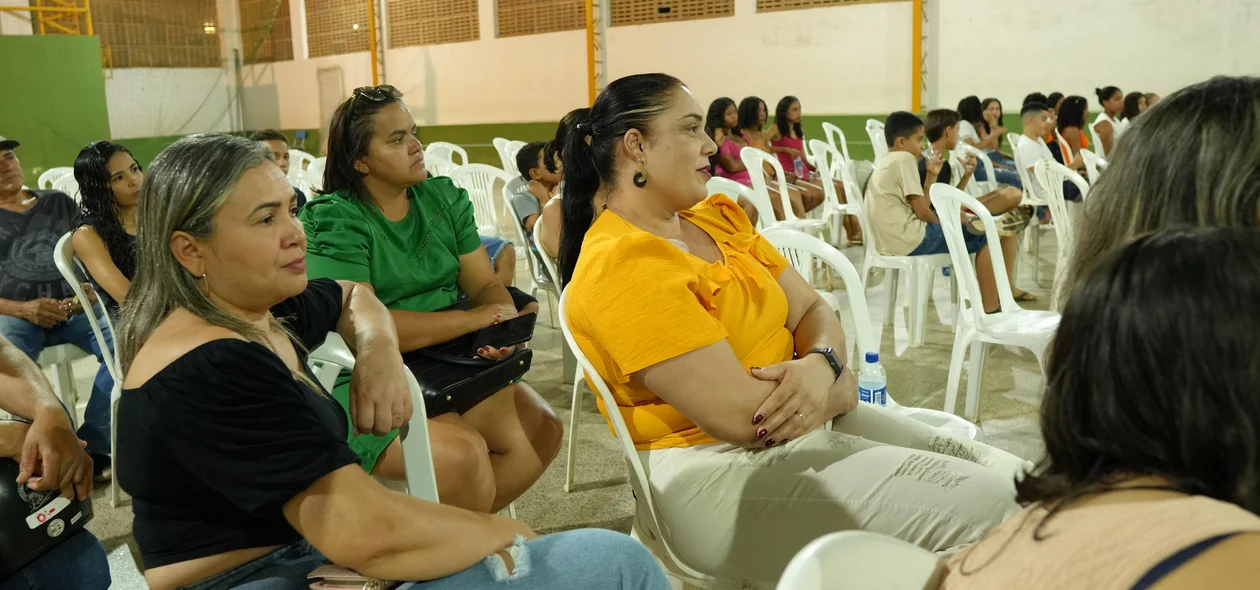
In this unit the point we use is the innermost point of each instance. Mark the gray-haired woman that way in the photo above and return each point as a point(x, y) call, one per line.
point(236, 459)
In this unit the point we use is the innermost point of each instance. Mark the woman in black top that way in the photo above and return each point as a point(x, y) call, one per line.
point(109, 191)
point(236, 459)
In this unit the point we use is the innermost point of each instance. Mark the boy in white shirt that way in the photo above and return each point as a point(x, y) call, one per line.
point(1038, 122)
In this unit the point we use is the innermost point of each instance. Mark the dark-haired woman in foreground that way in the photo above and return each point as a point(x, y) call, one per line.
point(413, 241)
point(236, 458)
point(1152, 472)
point(109, 192)
point(722, 360)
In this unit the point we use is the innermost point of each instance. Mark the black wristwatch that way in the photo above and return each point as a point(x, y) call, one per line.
point(832, 359)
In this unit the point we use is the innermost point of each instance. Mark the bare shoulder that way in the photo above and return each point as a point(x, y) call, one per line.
point(1231, 563)
point(85, 237)
point(177, 335)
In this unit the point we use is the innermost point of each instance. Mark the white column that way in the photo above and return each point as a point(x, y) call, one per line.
point(16, 23)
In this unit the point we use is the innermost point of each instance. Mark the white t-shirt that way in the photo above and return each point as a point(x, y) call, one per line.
point(967, 130)
point(1028, 153)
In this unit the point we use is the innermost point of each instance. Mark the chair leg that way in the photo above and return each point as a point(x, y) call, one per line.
point(551, 308)
point(575, 411)
point(890, 279)
point(114, 487)
point(921, 289)
point(1036, 254)
point(956, 358)
point(66, 390)
point(975, 376)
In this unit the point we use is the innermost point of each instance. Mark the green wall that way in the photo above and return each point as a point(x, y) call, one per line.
point(53, 99)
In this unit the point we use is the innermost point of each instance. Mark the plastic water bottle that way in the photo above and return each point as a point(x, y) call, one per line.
point(873, 382)
point(800, 167)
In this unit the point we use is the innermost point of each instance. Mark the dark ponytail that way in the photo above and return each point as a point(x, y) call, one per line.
point(590, 153)
point(1105, 93)
point(567, 127)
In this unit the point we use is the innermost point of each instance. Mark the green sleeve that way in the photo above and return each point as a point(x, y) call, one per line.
point(338, 240)
point(460, 208)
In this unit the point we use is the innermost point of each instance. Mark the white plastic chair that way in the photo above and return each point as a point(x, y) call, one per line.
point(539, 280)
point(1032, 233)
point(478, 180)
point(835, 138)
point(315, 175)
point(67, 184)
point(799, 248)
point(51, 175)
point(75, 274)
point(500, 147)
point(919, 270)
point(447, 151)
point(861, 560)
point(513, 148)
point(833, 211)
point(329, 359)
point(299, 161)
point(875, 130)
point(439, 166)
point(732, 189)
point(1012, 326)
point(1052, 175)
point(755, 159)
point(660, 544)
point(1096, 139)
point(1094, 165)
point(979, 188)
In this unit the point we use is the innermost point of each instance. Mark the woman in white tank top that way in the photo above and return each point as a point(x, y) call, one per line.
point(1108, 126)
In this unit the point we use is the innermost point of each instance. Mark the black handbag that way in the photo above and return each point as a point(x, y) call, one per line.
point(33, 523)
point(453, 380)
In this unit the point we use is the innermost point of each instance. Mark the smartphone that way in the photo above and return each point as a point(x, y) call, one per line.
point(517, 330)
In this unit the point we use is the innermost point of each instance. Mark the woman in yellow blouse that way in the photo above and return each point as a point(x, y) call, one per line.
point(720, 356)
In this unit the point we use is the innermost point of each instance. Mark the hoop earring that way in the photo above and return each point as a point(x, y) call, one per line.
point(640, 176)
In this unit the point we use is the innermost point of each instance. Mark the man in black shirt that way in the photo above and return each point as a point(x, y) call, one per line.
point(37, 307)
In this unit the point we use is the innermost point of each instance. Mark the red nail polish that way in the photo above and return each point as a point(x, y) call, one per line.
point(784, 441)
point(761, 433)
point(758, 419)
point(770, 443)
point(755, 369)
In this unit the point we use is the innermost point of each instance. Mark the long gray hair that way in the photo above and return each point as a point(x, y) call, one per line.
point(1191, 161)
point(183, 190)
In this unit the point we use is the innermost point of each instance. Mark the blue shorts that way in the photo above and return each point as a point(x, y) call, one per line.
point(934, 241)
point(494, 246)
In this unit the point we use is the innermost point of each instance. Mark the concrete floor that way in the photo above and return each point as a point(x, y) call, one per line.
point(602, 498)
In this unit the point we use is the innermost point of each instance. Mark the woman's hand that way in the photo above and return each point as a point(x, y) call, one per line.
point(53, 456)
point(494, 313)
point(495, 354)
point(999, 130)
point(380, 398)
point(799, 404)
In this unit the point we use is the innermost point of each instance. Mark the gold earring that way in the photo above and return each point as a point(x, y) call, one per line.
point(640, 176)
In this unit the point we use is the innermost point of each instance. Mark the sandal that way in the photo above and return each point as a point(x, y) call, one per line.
point(1025, 296)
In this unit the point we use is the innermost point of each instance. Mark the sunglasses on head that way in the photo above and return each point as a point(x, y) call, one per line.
point(380, 93)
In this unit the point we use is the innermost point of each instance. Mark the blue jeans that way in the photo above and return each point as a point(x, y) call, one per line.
point(78, 562)
point(590, 559)
point(33, 339)
point(934, 241)
point(1004, 176)
point(494, 246)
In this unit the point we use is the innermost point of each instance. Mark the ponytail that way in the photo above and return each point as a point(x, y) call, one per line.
point(590, 153)
point(1105, 93)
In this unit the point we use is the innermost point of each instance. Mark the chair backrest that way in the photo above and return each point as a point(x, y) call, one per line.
point(315, 174)
point(1052, 175)
point(73, 272)
point(500, 146)
point(447, 150)
point(799, 248)
point(835, 137)
point(51, 175)
point(732, 189)
point(299, 161)
point(853, 560)
point(537, 269)
point(67, 184)
point(875, 130)
point(1030, 195)
point(1065, 148)
point(547, 261)
point(1097, 141)
point(755, 159)
point(949, 202)
point(979, 187)
point(439, 166)
point(825, 158)
point(1094, 165)
point(513, 147)
point(638, 476)
point(478, 180)
point(329, 359)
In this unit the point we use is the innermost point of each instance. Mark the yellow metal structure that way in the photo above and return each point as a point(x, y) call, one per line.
point(916, 56)
point(372, 48)
point(596, 49)
point(58, 16)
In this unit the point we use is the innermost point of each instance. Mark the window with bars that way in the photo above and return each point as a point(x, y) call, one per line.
point(530, 17)
point(641, 12)
point(780, 5)
point(265, 31)
point(334, 27)
point(167, 34)
point(432, 22)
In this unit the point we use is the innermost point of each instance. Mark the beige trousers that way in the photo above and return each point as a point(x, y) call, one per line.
point(742, 514)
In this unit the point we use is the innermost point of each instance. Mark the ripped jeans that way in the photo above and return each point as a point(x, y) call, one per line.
point(585, 558)
point(742, 514)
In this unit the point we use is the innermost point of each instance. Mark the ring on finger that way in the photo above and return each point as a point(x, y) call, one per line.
point(801, 416)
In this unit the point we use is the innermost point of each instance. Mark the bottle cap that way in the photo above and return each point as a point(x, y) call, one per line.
point(872, 357)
